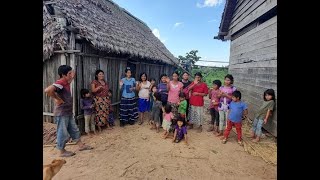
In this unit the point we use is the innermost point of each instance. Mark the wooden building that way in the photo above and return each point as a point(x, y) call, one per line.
point(97, 34)
point(251, 26)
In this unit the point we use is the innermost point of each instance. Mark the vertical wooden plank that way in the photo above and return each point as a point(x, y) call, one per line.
point(72, 45)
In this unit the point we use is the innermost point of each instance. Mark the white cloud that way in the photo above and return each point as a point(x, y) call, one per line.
point(156, 32)
point(177, 24)
point(209, 3)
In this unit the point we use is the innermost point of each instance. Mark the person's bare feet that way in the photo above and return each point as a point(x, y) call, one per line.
point(252, 135)
point(257, 139)
point(158, 130)
point(222, 137)
point(66, 154)
point(211, 128)
point(219, 134)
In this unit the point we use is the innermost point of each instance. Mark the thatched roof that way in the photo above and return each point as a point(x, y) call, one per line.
point(106, 26)
point(226, 19)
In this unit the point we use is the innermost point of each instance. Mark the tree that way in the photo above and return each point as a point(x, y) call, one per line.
point(188, 62)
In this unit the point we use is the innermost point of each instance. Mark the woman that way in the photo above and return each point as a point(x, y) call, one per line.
point(144, 102)
point(185, 81)
point(174, 88)
point(99, 89)
point(128, 105)
point(198, 90)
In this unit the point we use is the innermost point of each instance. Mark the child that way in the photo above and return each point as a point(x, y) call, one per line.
point(163, 90)
point(237, 109)
point(225, 99)
point(180, 131)
point(182, 110)
point(156, 111)
point(86, 104)
point(151, 94)
point(167, 118)
point(153, 83)
point(214, 102)
point(263, 114)
point(153, 90)
point(111, 117)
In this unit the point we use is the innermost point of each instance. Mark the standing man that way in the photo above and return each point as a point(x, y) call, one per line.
point(66, 125)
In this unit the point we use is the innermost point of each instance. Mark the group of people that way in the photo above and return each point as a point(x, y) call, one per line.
point(172, 105)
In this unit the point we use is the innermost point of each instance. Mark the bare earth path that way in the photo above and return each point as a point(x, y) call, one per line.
point(136, 152)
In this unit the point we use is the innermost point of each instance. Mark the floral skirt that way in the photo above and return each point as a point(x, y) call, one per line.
point(102, 106)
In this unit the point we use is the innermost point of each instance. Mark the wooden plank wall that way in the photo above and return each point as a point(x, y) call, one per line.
point(246, 11)
point(253, 63)
point(50, 75)
point(86, 65)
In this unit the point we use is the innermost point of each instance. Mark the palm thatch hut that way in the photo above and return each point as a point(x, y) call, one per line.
point(252, 28)
point(97, 34)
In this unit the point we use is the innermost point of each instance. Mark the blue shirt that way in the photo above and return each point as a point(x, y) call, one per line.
point(127, 84)
point(236, 111)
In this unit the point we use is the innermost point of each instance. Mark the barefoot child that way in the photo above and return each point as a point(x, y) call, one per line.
point(214, 102)
point(86, 104)
point(225, 99)
point(152, 83)
point(180, 131)
point(167, 120)
point(236, 110)
point(263, 114)
point(156, 111)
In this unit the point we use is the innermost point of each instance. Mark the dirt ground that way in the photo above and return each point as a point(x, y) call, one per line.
point(136, 152)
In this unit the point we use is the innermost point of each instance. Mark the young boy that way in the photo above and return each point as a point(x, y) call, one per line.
point(214, 103)
point(66, 124)
point(182, 110)
point(236, 110)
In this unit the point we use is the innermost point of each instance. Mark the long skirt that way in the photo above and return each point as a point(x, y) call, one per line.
point(128, 109)
point(102, 106)
point(196, 115)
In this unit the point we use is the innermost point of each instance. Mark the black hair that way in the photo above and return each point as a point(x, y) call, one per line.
point(162, 76)
point(237, 94)
point(141, 76)
point(183, 120)
point(217, 82)
point(269, 92)
point(229, 76)
point(96, 74)
point(177, 73)
point(63, 70)
point(127, 69)
point(182, 95)
point(185, 73)
point(110, 91)
point(153, 79)
point(83, 92)
point(198, 74)
point(153, 87)
point(157, 96)
point(167, 108)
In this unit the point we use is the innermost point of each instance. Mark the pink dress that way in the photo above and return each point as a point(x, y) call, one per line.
point(173, 94)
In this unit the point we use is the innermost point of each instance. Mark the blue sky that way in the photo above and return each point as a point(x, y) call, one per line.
point(184, 25)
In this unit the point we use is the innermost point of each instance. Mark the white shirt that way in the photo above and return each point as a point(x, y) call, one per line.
point(144, 91)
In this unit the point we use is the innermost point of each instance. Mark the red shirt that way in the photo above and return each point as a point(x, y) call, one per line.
point(198, 100)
